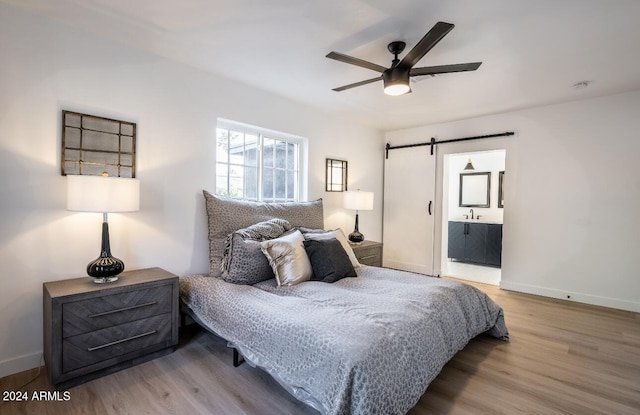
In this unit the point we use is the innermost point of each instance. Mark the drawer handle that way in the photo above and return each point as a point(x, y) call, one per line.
point(368, 257)
point(102, 346)
point(122, 309)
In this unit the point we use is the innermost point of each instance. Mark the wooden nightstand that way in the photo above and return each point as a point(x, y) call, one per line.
point(91, 330)
point(369, 253)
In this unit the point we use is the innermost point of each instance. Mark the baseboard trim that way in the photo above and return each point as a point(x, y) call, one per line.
point(572, 296)
point(20, 364)
point(407, 266)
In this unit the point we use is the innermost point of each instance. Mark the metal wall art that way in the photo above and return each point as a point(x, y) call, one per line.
point(92, 145)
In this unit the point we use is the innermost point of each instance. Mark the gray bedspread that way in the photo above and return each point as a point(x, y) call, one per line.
point(360, 346)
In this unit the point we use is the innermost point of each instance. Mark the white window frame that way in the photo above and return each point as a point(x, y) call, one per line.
point(262, 133)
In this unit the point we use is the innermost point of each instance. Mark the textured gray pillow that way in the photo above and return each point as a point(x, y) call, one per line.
point(243, 261)
point(246, 263)
point(226, 215)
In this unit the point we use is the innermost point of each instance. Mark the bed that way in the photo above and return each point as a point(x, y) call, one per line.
point(363, 344)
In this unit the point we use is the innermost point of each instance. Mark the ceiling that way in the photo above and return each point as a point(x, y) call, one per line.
point(533, 52)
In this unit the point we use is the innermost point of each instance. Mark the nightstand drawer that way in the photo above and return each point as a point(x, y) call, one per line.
point(111, 310)
point(96, 346)
point(368, 256)
point(369, 253)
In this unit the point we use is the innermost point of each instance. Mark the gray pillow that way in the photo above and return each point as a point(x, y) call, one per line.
point(243, 261)
point(226, 215)
point(246, 264)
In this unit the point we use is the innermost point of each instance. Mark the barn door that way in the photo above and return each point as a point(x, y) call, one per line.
point(409, 209)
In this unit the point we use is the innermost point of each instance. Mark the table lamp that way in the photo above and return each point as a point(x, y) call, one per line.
point(357, 200)
point(103, 194)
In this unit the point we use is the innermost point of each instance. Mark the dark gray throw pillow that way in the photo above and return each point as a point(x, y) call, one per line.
point(329, 260)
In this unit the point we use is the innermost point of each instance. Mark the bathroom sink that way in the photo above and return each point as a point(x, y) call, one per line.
point(481, 220)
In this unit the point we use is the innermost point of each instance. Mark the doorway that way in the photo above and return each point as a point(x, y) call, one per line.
point(476, 266)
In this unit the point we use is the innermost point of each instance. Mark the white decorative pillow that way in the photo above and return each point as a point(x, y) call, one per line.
point(339, 235)
point(288, 258)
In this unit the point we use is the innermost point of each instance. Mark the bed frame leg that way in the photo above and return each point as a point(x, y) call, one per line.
point(236, 358)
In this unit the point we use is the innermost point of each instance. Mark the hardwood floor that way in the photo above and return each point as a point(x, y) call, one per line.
point(563, 358)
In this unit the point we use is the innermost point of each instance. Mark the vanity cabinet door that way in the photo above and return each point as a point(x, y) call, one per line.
point(494, 244)
point(456, 240)
point(475, 246)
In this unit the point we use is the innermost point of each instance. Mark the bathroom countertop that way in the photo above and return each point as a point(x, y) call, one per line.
point(481, 220)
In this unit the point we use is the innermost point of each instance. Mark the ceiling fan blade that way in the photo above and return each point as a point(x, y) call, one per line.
point(355, 61)
point(434, 70)
point(368, 81)
point(433, 36)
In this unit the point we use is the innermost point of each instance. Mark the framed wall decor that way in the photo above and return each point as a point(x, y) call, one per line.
point(92, 145)
point(336, 175)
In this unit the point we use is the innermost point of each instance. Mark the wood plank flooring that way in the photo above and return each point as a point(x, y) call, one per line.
point(563, 358)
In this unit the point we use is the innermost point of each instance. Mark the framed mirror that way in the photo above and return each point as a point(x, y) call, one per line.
point(501, 189)
point(92, 145)
point(475, 189)
point(336, 175)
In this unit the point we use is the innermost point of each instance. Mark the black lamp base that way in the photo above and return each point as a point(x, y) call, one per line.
point(105, 268)
point(356, 237)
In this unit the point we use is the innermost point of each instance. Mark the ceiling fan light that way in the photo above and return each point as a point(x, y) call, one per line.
point(396, 81)
point(396, 89)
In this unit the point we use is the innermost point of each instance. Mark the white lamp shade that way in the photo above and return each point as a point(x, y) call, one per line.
point(102, 194)
point(357, 200)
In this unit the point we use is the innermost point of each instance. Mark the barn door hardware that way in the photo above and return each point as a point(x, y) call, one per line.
point(433, 142)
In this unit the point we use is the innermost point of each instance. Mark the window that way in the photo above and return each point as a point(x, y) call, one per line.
point(258, 164)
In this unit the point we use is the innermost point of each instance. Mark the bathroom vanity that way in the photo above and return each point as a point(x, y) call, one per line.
point(475, 241)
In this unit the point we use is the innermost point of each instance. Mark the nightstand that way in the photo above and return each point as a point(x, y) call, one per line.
point(91, 330)
point(369, 253)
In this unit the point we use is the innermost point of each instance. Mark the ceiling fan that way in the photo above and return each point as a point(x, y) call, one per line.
point(396, 77)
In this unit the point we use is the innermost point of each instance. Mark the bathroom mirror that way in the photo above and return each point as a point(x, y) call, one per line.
point(501, 190)
point(475, 189)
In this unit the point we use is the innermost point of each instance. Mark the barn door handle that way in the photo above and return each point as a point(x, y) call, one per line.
point(430, 207)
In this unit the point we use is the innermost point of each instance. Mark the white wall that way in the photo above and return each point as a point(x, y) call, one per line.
point(47, 67)
point(571, 218)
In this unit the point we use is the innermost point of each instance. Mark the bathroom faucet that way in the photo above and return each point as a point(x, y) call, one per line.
point(471, 210)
